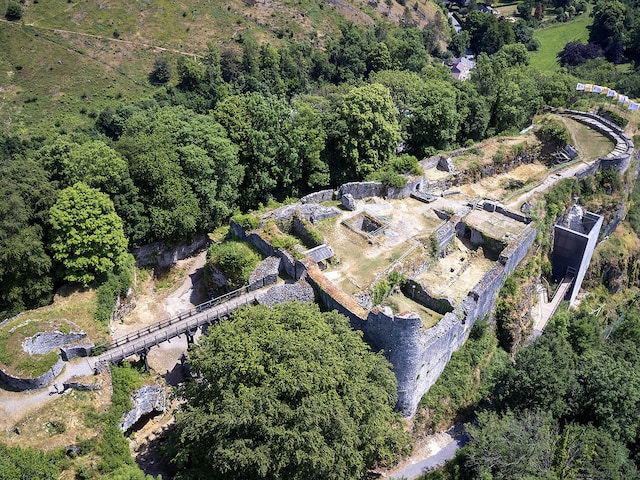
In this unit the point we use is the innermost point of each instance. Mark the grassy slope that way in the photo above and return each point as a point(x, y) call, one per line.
point(555, 37)
point(65, 61)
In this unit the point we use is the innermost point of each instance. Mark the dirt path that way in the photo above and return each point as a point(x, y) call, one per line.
point(106, 39)
point(14, 406)
point(429, 453)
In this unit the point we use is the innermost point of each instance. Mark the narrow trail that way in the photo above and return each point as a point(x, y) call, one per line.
point(106, 39)
point(430, 453)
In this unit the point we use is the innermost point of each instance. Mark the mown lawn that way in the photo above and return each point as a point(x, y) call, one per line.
point(555, 37)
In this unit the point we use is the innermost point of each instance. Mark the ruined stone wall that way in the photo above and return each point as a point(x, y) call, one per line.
point(162, 255)
point(360, 190)
point(79, 350)
point(414, 184)
point(417, 292)
point(18, 384)
point(513, 254)
point(318, 197)
point(301, 228)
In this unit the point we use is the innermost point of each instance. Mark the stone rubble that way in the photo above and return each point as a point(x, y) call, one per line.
point(300, 291)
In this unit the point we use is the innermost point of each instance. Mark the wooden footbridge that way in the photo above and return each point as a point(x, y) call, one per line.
point(185, 323)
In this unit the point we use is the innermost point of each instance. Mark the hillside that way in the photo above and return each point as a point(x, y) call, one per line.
point(65, 62)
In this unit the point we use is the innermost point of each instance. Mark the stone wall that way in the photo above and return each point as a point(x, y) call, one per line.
point(360, 190)
point(417, 292)
point(162, 255)
point(79, 350)
point(18, 384)
point(302, 228)
point(620, 157)
point(518, 249)
point(318, 197)
point(266, 273)
point(413, 184)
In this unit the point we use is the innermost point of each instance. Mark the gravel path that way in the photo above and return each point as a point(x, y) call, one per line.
point(437, 450)
point(16, 405)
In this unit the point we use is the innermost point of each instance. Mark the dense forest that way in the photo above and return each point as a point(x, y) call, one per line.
point(245, 123)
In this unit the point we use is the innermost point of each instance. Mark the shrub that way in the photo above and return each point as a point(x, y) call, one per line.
point(161, 72)
point(115, 285)
point(389, 178)
point(380, 291)
point(236, 260)
point(14, 11)
point(247, 221)
point(406, 164)
point(553, 132)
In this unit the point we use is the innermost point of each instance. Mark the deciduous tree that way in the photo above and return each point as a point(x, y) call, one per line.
point(87, 237)
point(286, 393)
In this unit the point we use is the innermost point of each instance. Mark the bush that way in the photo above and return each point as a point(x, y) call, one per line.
point(236, 260)
point(14, 11)
point(389, 178)
point(162, 71)
point(380, 291)
point(553, 132)
point(406, 164)
point(247, 221)
point(116, 284)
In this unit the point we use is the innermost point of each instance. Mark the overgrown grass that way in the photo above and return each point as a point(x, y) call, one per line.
point(64, 62)
point(79, 307)
point(112, 446)
point(553, 39)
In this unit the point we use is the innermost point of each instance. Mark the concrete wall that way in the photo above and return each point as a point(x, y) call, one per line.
point(573, 249)
point(18, 384)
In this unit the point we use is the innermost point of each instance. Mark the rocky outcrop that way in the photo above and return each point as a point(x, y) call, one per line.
point(163, 255)
point(147, 400)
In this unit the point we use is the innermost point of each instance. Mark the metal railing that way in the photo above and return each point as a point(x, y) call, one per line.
point(165, 324)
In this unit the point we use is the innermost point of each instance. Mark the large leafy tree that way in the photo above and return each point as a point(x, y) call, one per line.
point(279, 145)
point(87, 237)
point(185, 168)
point(367, 131)
point(286, 393)
point(27, 194)
point(608, 23)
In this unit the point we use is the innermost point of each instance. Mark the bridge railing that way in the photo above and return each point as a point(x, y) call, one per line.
point(163, 324)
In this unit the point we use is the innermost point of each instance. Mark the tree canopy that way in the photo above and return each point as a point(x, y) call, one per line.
point(87, 237)
point(286, 393)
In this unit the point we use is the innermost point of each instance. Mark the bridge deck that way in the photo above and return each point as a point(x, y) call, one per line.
point(140, 341)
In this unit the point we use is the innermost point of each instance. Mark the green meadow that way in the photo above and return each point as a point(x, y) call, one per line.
point(553, 39)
